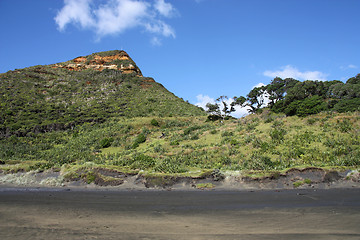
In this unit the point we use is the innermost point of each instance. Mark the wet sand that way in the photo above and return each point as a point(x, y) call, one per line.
point(31, 213)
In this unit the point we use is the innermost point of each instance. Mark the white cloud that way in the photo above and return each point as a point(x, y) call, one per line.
point(161, 28)
point(117, 16)
point(165, 9)
point(240, 111)
point(202, 100)
point(77, 12)
point(291, 72)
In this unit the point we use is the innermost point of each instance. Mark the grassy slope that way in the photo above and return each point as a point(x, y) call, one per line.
point(43, 98)
point(256, 142)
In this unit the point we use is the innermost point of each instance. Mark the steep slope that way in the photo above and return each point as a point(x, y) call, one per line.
point(86, 89)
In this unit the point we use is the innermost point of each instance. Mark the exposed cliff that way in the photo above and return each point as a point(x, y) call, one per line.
point(116, 60)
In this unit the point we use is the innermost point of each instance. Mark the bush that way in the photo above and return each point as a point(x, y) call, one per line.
point(142, 161)
point(214, 131)
point(344, 125)
point(174, 143)
point(106, 142)
point(159, 149)
point(213, 118)
point(277, 134)
point(311, 121)
point(169, 165)
point(155, 123)
point(194, 136)
point(189, 130)
point(227, 134)
point(257, 162)
point(138, 140)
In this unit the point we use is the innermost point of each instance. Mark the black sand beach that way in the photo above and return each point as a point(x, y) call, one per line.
point(38, 213)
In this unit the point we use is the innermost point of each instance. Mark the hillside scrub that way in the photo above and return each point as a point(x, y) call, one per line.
point(183, 144)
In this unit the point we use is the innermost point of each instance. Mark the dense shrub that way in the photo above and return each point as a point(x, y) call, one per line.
point(155, 123)
point(347, 105)
point(142, 161)
point(138, 140)
point(106, 142)
point(308, 106)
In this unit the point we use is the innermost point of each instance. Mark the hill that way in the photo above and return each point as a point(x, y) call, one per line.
point(86, 89)
point(97, 119)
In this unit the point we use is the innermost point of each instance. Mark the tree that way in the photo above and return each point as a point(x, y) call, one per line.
point(256, 98)
point(278, 88)
point(226, 109)
point(240, 101)
point(221, 107)
point(213, 109)
point(354, 80)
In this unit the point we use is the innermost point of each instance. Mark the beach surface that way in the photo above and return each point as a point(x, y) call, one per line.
point(45, 213)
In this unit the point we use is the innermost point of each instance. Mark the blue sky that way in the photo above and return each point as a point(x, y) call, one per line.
point(198, 49)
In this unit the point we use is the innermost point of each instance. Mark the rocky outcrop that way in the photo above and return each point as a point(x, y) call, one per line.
point(116, 60)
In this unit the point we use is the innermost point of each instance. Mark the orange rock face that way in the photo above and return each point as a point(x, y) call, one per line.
point(100, 63)
point(79, 59)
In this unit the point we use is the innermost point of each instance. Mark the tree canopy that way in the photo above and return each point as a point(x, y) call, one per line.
point(294, 97)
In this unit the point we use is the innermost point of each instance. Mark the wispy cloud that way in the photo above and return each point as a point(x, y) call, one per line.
point(156, 41)
point(291, 72)
point(117, 16)
point(165, 9)
point(350, 66)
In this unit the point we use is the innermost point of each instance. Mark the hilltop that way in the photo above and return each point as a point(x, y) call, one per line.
point(86, 89)
point(115, 60)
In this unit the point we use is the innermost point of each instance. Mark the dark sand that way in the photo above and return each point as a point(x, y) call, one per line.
point(261, 214)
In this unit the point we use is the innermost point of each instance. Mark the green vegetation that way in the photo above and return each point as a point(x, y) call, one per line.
point(40, 99)
point(85, 121)
point(301, 182)
point(294, 97)
point(185, 144)
point(204, 186)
